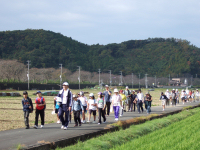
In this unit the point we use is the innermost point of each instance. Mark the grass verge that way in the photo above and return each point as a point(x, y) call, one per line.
point(117, 138)
point(184, 134)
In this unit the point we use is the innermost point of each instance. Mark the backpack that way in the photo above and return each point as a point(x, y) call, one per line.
point(30, 102)
point(41, 102)
point(173, 95)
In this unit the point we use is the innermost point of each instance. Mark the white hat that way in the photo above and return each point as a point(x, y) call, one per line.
point(126, 87)
point(66, 83)
point(173, 89)
point(176, 89)
point(182, 89)
point(106, 86)
point(167, 90)
point(81, 93)
point(133, 91)
point(91, 94)
point(196, 89)
point(74, 95)
point(116, 91)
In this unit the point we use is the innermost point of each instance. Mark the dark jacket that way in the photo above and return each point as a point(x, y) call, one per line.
point(26, 103)
point(133, 96)
point(69, 97)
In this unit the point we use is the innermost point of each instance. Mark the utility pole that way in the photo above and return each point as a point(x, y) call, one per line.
point(155, 80)
point(99, 77)
point(121, 76)
point(110, 77)
point(169, 77)
point(60, 75)
point(146, 81)
point(132, 80)
point(139, 80)
point(79, 77)
point(28, 61)
point(196, 75)
point(191, 79)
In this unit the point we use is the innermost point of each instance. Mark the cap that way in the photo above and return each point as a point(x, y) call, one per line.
point(91, 94)
point(106, 86)
point(81, 93)
point(126, 87)
point(176, 89)
point(116, 91)
point(25, 93)
point(161, 93)
point(167, 90)
point(121, 91)
point(66, 83)
point(147, 93)
point(38, 92)
point(196, 89)
point(133, 90)
point(74, 95)
point(99, 93)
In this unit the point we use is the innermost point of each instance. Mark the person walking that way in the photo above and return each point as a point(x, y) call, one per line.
point(27, 108)
point(40, 108)
point(76, 109)
point(133, 101)
point(168, 97)
point(83, 100)
point(197, 95)
point(145, 101)
point(149, 100)
point(107, 95)
point(183, 96)
point(140, 98)
point(163, 98)
point(123, 102)
point(56, 107)
point(116, 102)
point(101, 104)
point(128, 94)
point(65, 106)
point(173, 98)
point(92, 106)
point(177, 96)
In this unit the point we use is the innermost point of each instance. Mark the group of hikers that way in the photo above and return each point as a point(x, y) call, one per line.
point(66, 104)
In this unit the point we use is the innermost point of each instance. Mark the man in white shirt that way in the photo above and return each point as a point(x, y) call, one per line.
point(197, 95)
point(140, 100)
point(65, 106)
point(83, 100)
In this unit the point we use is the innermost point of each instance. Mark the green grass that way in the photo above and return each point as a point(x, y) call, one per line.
point(117, 138)
point(182, 135)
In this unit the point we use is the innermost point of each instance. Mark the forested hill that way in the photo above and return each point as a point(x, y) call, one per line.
point(155, 56)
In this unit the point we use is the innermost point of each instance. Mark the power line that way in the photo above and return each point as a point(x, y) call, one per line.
point(28, 72)
point(60, 75)
point(79, 78)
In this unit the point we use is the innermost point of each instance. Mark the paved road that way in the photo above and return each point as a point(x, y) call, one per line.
point(51, 132)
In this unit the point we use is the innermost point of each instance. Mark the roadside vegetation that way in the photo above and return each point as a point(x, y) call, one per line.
point(120, 138)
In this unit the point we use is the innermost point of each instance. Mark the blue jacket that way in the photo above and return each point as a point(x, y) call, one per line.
point(69, 97)
point(26, 103)
point(77, 105)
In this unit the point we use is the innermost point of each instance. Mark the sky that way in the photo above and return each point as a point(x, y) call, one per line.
point(105, 21)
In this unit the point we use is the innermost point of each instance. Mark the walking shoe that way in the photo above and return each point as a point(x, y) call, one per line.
point(42, 126)
point(88, 121)
point(35, 126)
point(62, 127)
point(75, 125)
point(58, 122)
point(94, 122)
point(104, 122)
point(79, 124)
point(83, 121)
point(65, 128)
point(27, 127)
point(99, 123)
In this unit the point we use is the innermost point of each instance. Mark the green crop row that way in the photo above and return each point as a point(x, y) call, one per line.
point(182, 135)
point(120, 137)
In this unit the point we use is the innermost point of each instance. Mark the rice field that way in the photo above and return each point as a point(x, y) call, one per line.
point(11, 116)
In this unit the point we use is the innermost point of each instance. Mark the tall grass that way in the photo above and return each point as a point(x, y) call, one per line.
point(117, 138)
point(181, 135)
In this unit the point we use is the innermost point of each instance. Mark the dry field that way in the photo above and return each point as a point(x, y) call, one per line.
point(11, 116)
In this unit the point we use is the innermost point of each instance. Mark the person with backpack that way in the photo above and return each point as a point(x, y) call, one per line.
point(27, 108)
point(92, 106)
point(128, 103)
point(76, 109)
point(65, 106)
point(163, 98)
point(149, 100)
point(56, 107)
point(101, 104)
point(83, 100)
point(133, 98)
point(107, 96)
point(40, 107)
point(168, 97)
